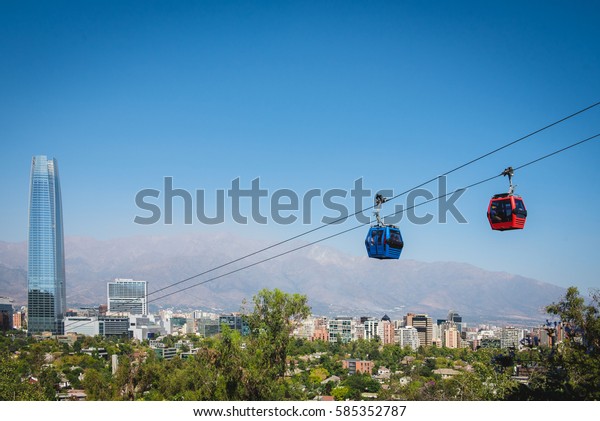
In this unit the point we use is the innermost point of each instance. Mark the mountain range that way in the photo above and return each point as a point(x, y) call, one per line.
point(335, 283)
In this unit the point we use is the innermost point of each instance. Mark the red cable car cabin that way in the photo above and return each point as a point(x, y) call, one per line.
point(506, 212)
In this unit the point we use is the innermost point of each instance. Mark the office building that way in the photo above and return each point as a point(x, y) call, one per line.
point(424, 325)
point(207, 327)
point(371, 329)
point(98, 325)
point(343, 328)
point(145, 327)
point(114, 325)
point(127, 296)
point(407, 337)
point(321, 333)
point(450, 335)
point(6, 314)
point(235, 321)
point(46, 284)
point(386, 331)
point(18, 320)
point(82, 325)
point(456, 318)
point(509, 337)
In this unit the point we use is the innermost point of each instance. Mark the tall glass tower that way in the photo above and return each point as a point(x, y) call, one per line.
point(46, 297)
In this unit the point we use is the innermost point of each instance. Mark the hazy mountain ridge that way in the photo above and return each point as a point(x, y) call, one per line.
point(335, 283)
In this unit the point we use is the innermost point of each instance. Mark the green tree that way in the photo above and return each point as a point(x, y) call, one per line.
point(581, 320)
point(571, 370)
point(359, 383)
point(271, 323)
point(13, 387)
point(49, 381)
point(123, 378)
point(150, 377)
point(341, 393)
point(97, 385)
point(317, 375)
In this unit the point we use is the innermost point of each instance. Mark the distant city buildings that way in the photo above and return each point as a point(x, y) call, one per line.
point(46, 283)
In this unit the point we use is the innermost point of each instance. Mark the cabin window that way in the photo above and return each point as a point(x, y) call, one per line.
point(501, 211)
point(520, 208)
point(395, 240)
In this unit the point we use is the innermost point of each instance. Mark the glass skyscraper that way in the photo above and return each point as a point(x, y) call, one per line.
point(46, 297)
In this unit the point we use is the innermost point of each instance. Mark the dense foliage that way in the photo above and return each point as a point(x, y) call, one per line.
point(269, 364)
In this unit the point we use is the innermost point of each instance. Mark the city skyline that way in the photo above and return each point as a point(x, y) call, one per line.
point(333, 281)
point(46, 283)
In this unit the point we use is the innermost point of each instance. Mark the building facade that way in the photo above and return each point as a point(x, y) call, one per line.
point(424, 325)
point(355, 366)
point(6, 314)
point(509, 337)
point(408, 336)
point(46, 283)
point(127, 296)
point(342, 328)
point(235, 321)
point(17, 320)
point(455, 318)
point(371, 329)
point(98, 325)
point(386, 332)
point(450, 335)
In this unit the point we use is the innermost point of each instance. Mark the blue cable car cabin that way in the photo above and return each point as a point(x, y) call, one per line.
point(506, 212)
point(384, 242)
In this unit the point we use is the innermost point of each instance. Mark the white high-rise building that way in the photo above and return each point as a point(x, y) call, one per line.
point(509, 337)
point(127, 296)
point(342, 327)
point(408, 336)
point(371, 329)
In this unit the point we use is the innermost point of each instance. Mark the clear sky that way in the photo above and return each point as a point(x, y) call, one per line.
point(309, 95)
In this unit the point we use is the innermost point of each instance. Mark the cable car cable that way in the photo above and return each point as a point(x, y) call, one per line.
point(346, 230)
point(371, 207)
point(341, 219)
point(363, 224)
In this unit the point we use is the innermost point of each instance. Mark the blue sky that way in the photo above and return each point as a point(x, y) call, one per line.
point(310, 95)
